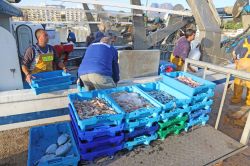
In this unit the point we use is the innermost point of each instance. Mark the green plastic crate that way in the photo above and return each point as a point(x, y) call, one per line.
point(175, 129)
point(174, 121)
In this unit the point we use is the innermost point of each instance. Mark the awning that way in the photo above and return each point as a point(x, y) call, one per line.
point(9, 9)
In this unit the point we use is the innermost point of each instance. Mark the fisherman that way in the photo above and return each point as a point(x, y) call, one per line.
point(100, 33)
point(90, 39)
point(158, 19)
point(71, 37)
point(242, 60)
point(182, 49)
point(63, 51)
point(99, 68)
point(40, 57)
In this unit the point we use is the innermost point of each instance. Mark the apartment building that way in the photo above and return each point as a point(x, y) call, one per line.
point(51, 13)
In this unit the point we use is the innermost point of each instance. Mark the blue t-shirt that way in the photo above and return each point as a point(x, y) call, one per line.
point(100, 58)
point(72, 35)
point(98, 36)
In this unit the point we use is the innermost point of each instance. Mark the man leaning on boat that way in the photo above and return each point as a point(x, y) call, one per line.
point(40, 57)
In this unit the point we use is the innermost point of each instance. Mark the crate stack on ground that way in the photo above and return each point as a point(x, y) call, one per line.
point(140, 124)
point(174, 107)
point(52, 145)
point(201, 92)
point(97, 135)
point(50, 81)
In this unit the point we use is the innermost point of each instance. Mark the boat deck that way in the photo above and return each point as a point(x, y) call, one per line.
point(202, 146)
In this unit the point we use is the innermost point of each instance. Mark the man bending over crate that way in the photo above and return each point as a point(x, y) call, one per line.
point(99, 68)
point(40, 57)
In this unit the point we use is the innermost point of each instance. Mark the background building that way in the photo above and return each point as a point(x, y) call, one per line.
point(51, 13)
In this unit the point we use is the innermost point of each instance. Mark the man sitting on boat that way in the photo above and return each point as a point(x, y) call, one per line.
point(40, 57)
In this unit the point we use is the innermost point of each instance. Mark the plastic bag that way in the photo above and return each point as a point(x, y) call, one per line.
point(195, 54)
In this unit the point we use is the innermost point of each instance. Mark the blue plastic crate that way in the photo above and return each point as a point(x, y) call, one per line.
point(145, 139)
point(105, 141)
point(146, 122)
point(180, 98)
point(170, 80)
point(101, 152)
point(141, 131)
point(177, 112)
point(202, 97)
point(201, 105)
point(51, 88)
point(43, 136)
point(100, 120)
point(95, 132)
point(199, 113)
point(202, 120)
point(45, 79)
point(140, 113)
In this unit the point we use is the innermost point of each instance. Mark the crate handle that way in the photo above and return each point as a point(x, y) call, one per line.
point(102, 153)
point(140, 139)
point(103, 118)
point(56, 160)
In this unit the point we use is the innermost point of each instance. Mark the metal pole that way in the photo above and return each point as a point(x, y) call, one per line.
point(185, 66)
point(222, 101)
point(146, 6)
point(246, 132)
point(204, 73)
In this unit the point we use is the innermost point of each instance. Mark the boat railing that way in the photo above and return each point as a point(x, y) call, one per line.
point(228, 72)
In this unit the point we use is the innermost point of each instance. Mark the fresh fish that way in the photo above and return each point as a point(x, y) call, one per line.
point(51, 149)
point(130, 102)
point(94, 107)
point(161, 96)
point(62, 139)
point(63, 149)
point(46, 158)
point(188, 81)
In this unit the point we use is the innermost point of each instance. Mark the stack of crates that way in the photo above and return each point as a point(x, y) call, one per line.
point(50, 81)
point(140, 126)
point(201, 96)
point(97, 136)
point(174, 112)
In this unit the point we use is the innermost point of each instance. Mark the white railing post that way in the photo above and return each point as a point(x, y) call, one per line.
point(246, 132)
point(222, 102)
point(204, 73)
point(185, 66)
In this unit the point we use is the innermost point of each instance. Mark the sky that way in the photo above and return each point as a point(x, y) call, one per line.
point(217, 3)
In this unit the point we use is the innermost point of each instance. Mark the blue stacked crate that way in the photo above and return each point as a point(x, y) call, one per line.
point(201, 96)
point(47, 146)
point(140, 124)
point(174, 105)
point(199, 113)
point(99, 135)
point(50, 81)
